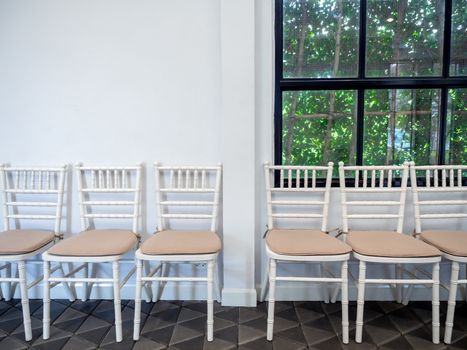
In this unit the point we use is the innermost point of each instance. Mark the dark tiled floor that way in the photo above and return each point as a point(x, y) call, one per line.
point(181, 325)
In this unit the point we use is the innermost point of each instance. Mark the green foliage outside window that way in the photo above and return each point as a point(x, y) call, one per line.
point(404, 39)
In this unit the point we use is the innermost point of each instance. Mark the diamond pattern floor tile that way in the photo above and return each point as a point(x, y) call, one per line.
point(229, 335)
point(147, 344)
point(11, 343)
point(381, 330)
point(78, 343)
point(180, 325)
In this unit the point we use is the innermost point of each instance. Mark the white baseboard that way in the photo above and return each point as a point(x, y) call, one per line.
point(179, 291)
point(372, 292)
point(239, 297)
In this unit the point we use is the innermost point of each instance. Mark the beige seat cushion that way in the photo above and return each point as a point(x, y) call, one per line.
point(304, 242)
point(96, 243)
point(23, 241)
point(451, 242)
point(170, 242)
point(389, 244)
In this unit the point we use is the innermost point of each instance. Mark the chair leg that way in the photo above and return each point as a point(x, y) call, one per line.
point(324, 285)
point(14, 284)
point(92, 274)
point(210, 301)
point(46, 300)
point(24, 300)
point(66, 286)
point(161, 284)
point(272, 290)
point(147, 286)
point(398, 273)
point(408, 292)
point(335, 294)
point(84, 297)
point(117, 301)
point(451, 302)
point(217, 285)
point(264, 285)
point(345, 303)
point(360, 301)
point(8, 286)
point(137, 319)
point(435, 303)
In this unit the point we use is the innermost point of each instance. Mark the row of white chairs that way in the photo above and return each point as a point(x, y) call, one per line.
point(107, 194)
point(192, 193)
point(375, 195)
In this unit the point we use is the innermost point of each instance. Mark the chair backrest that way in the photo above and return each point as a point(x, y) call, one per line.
point(37, 190)
point(438, 180)
point(371, 182)
point(296, 184)
point(109, 192)
point(192, 191)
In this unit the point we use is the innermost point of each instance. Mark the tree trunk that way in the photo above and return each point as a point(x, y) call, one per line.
point(332, 97)
point(393, 98)
point(291, 120)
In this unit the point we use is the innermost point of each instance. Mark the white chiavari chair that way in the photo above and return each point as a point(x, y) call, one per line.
point(183, 194)
point(292, 201)
point(441, 183)
point(373, 184)
point(107, 194)
point(29, 194)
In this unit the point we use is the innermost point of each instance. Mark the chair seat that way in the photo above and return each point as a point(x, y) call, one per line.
point(23, 241)
point(451, 242)
point(389, 244)
point(304, 242)
point(172, 242)
point(96, 243)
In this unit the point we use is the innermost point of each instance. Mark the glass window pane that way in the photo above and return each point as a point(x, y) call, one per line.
point(459, 38)
point(401, 125)
point(404, 38)
point(318, 127)
point(320, 38)
point(456, 127)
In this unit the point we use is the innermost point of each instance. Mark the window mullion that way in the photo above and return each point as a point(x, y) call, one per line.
point(443, 111)
point(360, 124)
point(447, 38)
point(362, 39)
point(279, 38)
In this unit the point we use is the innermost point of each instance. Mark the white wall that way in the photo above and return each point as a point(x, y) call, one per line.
point(239, 158)
point(110, 82)
point(181, 81)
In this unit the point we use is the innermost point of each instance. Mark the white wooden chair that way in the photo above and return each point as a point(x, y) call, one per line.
point(107, 194)
point(441, 182)
point(379, 246)
point(183, 194)
point(292, 200)
point(29, 194)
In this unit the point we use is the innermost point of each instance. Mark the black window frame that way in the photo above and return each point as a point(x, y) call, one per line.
point(361, 83)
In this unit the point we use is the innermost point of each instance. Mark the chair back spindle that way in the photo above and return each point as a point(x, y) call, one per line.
point(371, 181)
point(187, 189)
point(33, 188)
point(117, 189)
point(294, 184)
point(440, 208)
